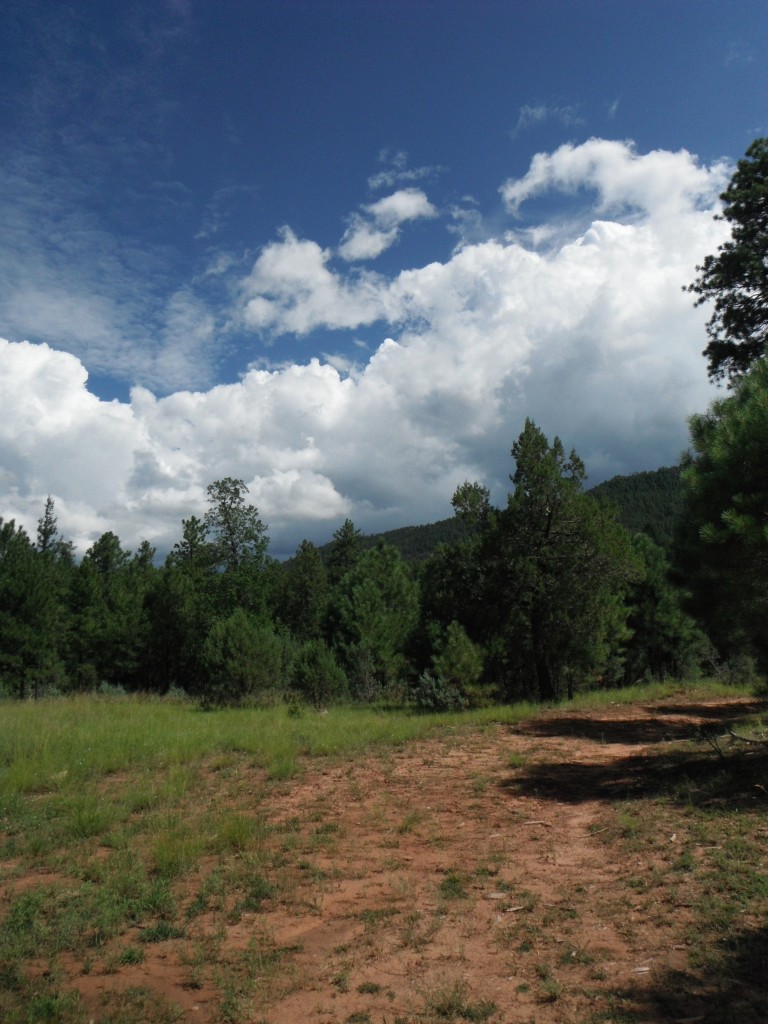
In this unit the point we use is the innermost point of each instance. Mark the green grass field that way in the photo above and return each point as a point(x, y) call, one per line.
point(108, 804)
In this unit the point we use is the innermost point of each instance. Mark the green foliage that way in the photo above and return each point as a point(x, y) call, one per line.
point(737, 277)
point(31, 626)
point(343, 552)
point(724, 547)
point(316, 674)
point(238, 543)
point(665, 641)
point(299, 592)
point(458, 663)
point(243, 658)
point(109, 602)
point(434, 693)
point(650, 503)
point(554, 566)
point(376, 607)
point(239, 536)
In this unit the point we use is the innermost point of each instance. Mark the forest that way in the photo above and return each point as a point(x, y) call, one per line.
point(560, 590)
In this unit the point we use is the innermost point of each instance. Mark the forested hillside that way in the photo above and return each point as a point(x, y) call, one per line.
point(415, 543)
point(650, 502)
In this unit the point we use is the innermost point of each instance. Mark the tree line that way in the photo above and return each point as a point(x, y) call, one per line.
point(543, 596)
point(540, 597)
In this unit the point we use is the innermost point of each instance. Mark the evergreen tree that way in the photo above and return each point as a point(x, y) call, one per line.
point(736, 279)
point(665, 640)
point(112, 629)
point(723, 550)
point(239, 545)
point(27, 612)
point(300, 592)
point(376, 613)
point(554, 567)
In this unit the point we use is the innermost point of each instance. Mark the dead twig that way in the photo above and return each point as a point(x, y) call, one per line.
point(762, 742)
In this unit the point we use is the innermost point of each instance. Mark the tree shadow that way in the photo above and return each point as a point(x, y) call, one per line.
point(733, 989)
point(728, 776)
point(734, 782)
point(659, 727)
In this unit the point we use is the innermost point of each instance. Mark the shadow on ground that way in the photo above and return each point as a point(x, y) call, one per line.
point(735, 782)
point(731, 990)
point(725, 775)
point(660, 726)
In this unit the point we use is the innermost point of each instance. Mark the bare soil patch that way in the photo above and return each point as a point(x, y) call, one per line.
point(558, 871)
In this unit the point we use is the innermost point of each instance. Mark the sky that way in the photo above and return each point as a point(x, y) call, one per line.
point(341, 249)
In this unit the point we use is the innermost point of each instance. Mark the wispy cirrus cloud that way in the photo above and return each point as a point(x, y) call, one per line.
point(531, 115)
point(397, 172)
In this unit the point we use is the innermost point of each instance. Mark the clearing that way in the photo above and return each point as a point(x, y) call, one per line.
point(583, 866)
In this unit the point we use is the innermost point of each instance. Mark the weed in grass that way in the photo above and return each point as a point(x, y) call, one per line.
point(370, 988)
point(176, 852)
point(131, 955)
point(371, 918)
point(257, 889)
point(283, 766)
point(126, 1006)
point(58, 1007)
point(87, 816)
point(550, 990)
point(628, 825)
point(450, 1002)
point(410, 822)
point(236, 833)
point(417, 932)
point(258, 970)
point(359, 1018)
point(569, 957)
point(212, 887)
point(403, 888)
point(480, 784)
point(162, 931)
point(340, 980)
point(685, 862)
point(454, 886)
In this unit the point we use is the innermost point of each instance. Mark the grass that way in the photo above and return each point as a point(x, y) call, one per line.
point(145, 825)
point(54, 745)
point(451, 1002)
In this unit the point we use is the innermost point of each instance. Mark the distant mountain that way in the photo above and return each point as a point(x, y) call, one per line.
point(649, 502)
point(416, 543)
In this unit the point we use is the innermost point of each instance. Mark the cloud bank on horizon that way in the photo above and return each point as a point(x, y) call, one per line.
point(580, 322)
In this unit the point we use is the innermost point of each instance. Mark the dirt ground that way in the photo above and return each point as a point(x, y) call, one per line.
point(516, 874)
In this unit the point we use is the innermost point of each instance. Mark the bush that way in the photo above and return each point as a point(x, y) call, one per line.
point(243, 658)
point(433, 693)
point(316, 674)
point(459, 663)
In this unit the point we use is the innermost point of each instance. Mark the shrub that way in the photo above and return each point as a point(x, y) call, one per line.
point(243, 658)
point(316, 674)
point(433, 693)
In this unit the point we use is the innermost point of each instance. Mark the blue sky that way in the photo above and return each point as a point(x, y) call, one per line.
point(342, 249)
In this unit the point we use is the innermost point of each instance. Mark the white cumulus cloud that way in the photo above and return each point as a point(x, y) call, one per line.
point(369, 234)
point(591, 334)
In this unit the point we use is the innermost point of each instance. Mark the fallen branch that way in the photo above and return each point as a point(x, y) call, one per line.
point(762, 742)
